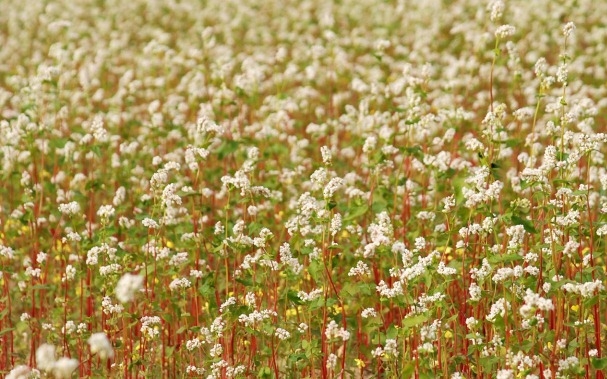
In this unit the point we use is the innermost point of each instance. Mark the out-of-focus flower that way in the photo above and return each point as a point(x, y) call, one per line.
point(64, 367)
point(101, 345)
point(45, 357)
point(19, 372)
point(127, 286)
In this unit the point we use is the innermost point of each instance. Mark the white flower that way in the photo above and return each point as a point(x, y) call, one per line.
point(45, 357)
point(149, 223)
point(568, 29)
point(149, 326)
point(368, 312)
point(106, 211)
point(179, 283)
point(127, 286)
point(282, 334)
point(69, 209)
point(504, 31)
point(332, 187)
point(64, 367)
point(496, 9)
point(19, 372)
point(101, 345)
point(593, 353)
point(326, 155)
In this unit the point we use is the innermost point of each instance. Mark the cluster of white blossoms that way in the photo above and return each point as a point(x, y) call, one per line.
point(47, 361)
point(334, 331)
point(128, 286)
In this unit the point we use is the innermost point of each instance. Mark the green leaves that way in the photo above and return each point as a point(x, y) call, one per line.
point(528, 225)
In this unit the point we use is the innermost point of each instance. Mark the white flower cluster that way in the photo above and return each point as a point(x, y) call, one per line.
point(534, 302)
point(334, 331)
point(256, 317)
point(381, 233)
point(586, 290)
point(150, 326)
point(180, 284)
point(498, 308)
point(128, 286)
point(61, 368)
point(390, 350)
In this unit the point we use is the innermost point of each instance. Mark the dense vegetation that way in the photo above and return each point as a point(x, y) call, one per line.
point(303, 189)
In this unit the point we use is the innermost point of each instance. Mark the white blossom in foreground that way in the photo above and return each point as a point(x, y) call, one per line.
point(101, 345)
point(64, 367)
point(19, 372)
point(127, 286)
point(45, 357)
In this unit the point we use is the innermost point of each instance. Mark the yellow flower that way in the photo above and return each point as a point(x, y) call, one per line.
point(575, 308)
point(448, 334)
point(359, 363)
point(170, 244)
point(291, 312)
point(345, 234)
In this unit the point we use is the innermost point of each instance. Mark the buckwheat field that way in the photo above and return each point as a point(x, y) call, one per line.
point(303, 189)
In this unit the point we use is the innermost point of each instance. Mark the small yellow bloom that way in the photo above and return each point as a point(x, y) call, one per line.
point(336, 309)
point(359, 363)
point(291, 312)
point(170, 244)
point(575, 308)
point(448, 334)
point(345, 234)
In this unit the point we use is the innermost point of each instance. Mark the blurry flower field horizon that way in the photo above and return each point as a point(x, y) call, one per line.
point(303, 189)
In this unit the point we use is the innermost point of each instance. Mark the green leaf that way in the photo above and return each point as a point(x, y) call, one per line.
point(379, 205)
point(356, 212)
point(413, 321)
point(506, 258)
point(526, 345)
point(599, 363)
point(392, 332)
point(315, 270)
point(292, 296)
point(591, 301)
point(527, 225)
point(489, 363)
point(408, 370)
point(227, 148)
point(264, 372)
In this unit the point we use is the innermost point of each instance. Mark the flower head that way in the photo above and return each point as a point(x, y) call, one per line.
point(101, 345)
